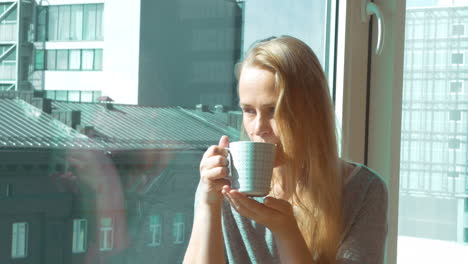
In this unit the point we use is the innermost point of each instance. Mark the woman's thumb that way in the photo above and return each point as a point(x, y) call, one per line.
point(224, 141)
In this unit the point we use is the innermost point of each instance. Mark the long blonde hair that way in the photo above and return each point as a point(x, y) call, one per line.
point(311, 175)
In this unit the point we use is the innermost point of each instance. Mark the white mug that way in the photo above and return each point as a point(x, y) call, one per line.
point(251, 166)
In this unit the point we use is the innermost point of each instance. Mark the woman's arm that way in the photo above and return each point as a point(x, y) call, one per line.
point(206, 243)
point(292, 247)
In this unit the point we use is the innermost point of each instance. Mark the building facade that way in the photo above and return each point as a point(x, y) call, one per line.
point(434, 152)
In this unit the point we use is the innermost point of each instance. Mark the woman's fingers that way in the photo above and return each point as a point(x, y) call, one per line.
point(213, 162)
point(214, 151)
point(215, 173)
point(244, 208)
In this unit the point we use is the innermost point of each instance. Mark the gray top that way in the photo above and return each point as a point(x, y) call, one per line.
point(365, 218)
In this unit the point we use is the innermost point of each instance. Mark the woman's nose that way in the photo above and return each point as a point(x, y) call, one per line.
point(262, 126)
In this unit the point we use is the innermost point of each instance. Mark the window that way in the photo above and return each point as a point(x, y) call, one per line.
point(39, 62)
point(179, 228)
point(80, 229)
point(466, 204)
point(62, 60)
point(41, 23)
point(98, 59)
point(155, 230)
point(454, 143)
point(76, 22)
point(453, 174)
point(106, 234)
point(71, 22)
point(51, 63)
point(456, 86)
point(455, 115)
point(458, 30)
point(5, 189)
point(52, 23)
point(466, 235)
point(64, 13)
point(457, 58)
point(90, 22)
point(88, 59)
point(75, 58)
point(19, 241)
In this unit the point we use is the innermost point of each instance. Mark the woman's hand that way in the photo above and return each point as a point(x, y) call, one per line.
point(213, 173)
point(276, 214)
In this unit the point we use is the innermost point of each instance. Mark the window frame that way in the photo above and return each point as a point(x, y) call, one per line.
point(179, 228)
point(17, 239)
point(75, 246)
point(155, 230)
point(371, 98)
point(104, 232)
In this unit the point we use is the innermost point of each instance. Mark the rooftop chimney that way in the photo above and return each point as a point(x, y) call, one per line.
point(202, 108)
point(220, 108)
point(70, 118)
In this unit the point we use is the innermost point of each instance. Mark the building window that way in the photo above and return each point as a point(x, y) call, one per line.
point(458, 30)
point(5, 190)
point(457, 58)
point(453, 174)
point(71, 22)
point(155, 230)
point(466, 235)
point(98, 59)
point(72, 60)
point(19, 241)
point(454, 144)
point(456, 86)
point(88, 60)
point(39, 60)
point(455, 115)
point(106, 234)
point(179, 228)
point(62, 60)
point(466, 205)
point(80, 229)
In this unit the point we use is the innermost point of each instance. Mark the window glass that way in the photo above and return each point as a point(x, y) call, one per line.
point(62, 60)
point(80, 227)
point(431, 221)
point(88, 60)
point(89, 26)
point(98, 59)
point(76, 22)
point(75, 59)
point(64, 23)
point(19, 241)
point(51, 59)
point(125, 81)
point(39, 60)
point(53, 20)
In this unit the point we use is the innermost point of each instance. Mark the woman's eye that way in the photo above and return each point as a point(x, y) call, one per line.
point(248, 111)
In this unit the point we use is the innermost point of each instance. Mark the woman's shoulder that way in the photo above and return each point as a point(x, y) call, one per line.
point(364, 183)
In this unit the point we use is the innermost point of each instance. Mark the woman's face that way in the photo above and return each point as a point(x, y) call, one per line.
point(258, 98)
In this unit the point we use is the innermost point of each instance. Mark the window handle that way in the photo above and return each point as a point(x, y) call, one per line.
point(368, 9)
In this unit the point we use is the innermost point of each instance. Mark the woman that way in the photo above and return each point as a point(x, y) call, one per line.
point(321, 209)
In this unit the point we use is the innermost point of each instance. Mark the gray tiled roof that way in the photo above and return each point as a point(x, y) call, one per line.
point(25, 126)
point(139, 127)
